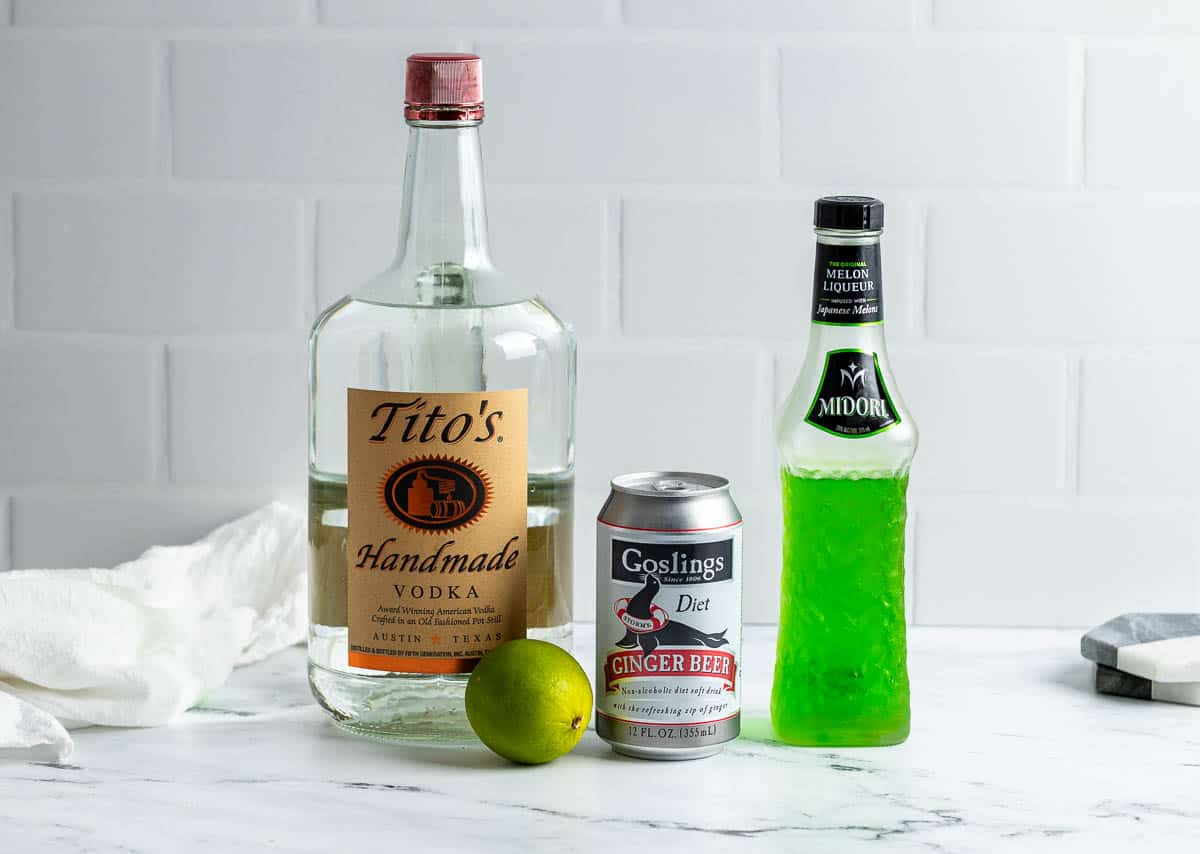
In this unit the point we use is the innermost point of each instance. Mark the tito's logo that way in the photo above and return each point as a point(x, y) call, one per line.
point(412, 422)
point(852, 400)
point(435, 494)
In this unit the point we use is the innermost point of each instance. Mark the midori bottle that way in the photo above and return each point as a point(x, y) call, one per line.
point(845, 441)
point(441, 443)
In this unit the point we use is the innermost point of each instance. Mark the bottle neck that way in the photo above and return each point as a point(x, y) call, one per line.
point(847, 297)
point(443, 223)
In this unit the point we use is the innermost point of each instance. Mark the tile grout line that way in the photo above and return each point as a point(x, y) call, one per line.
point(614, 15)
point(921, 17)
point(169, 114)
point(1195, 560)
point(6, 532)
point(309, 260)
point(764, 404)
point(8, 316)
point(1077, 115)
point(1083, 117)
point(770, 143)
point(616, 302)
point(605, 33)
point(160, 414)
point(1073, 422)
point(918, 312)
point(161, 166)
point(389, 188)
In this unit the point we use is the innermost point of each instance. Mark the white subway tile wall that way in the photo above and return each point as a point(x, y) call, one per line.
point(462, 13)
point(975, 413)
point(1136, 418)
point(1061, 268)
point(106, 529)
point(941, 112)
point(300, 109)
point(77, 410)
point(698, 269)
point(697, 408)
point(1069, 16)
point(74, 107)
point(165, 13)
point(154, 264)
point(621, 110)
point(1143, 123)
point(183, 185)
point(769, 15)
point(264, 384)
point(1056, 563)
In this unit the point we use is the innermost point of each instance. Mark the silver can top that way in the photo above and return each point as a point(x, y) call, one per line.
point(665, 484)
point(670, 502)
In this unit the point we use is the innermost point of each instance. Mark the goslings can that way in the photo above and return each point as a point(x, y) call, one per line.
point(668, 615)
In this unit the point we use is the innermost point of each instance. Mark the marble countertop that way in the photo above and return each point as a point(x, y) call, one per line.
point(1011, 750)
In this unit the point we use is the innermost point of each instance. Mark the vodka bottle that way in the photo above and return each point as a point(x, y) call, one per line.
point(846, 441)
point(441, 441)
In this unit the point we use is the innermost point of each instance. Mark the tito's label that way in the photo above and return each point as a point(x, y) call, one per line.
point(847, 286)
point(668, 637)
point(437, 490)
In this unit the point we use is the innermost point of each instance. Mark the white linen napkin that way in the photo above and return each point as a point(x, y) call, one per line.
point(140, 643)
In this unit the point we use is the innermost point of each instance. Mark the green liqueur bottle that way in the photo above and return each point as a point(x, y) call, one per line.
point(846, 441)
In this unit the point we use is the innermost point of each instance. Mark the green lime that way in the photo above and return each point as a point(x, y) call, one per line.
point(529, 701)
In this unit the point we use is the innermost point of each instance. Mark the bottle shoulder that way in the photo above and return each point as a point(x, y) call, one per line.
point(524, 331)
point(844, 414)
point(351, 310)
point(442, 288)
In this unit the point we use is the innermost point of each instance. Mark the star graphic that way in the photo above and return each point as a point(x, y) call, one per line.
point(436, 639)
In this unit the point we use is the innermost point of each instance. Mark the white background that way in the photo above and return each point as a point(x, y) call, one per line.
point(184, 183)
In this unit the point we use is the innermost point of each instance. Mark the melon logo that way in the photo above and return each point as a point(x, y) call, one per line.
point(435, 494)
point(854, 374)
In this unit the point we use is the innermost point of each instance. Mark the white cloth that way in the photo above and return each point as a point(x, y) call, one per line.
point(138, 644)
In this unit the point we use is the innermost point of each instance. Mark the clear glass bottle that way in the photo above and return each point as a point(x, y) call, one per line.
point(440, 319)
point(846, 440)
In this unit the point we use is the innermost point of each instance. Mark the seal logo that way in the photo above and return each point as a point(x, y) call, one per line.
point(435, 494)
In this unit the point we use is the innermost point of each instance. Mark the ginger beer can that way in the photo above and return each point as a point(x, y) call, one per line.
point(668, 615)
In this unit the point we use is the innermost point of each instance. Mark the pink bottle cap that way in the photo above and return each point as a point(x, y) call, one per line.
point(444, 87)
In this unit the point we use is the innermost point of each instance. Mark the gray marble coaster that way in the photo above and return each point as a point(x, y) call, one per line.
point(1157, 647)
point(1111, 681)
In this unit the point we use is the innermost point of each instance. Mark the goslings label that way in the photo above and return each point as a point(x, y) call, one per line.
point(852, 399)
point(436, 543)
point(668, 627)
point(689, 563)
point(846, 285)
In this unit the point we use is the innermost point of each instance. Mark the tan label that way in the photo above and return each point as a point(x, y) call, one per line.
point(436, 544)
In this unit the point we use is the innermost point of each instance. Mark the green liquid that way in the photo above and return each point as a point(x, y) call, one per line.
point(841, 677)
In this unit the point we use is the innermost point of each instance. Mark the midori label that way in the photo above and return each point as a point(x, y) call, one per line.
point(436, 546)
point(852, 399)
